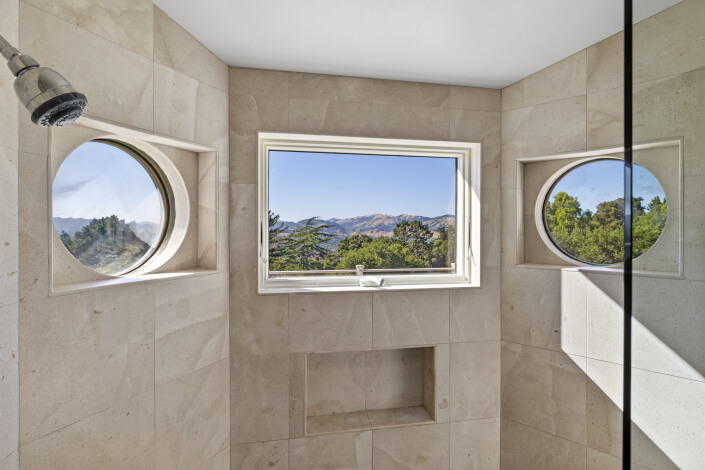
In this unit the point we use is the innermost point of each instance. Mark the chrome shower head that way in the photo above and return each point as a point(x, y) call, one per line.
point(47, 95)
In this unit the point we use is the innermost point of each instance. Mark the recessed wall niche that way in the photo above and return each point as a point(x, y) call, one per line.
point(358, 390)
point(191, 172)
point(534, 175)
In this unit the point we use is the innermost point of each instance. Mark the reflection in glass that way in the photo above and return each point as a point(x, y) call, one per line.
point(584, 212)
point(108, 208)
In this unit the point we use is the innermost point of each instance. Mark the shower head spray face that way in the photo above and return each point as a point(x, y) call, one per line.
point(47, 95)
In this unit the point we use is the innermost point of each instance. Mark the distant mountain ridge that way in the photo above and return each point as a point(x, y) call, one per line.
point(374, 225)
point(146, 231)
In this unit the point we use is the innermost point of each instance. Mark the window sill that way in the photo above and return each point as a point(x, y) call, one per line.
point(617, 270)
point(65, 289)
point(343, 289)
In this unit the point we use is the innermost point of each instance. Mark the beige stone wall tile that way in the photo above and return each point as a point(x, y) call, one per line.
point(220, 462)
point(670, 344)
point(474, 445)
point(121, 436)
point(605, 317)
point(668, 413)
point(524, 447)
point(573, 299)
point(330, 87)
point(266, 455)
point(32, 138)
point(192, 418)
point(250, 114)
point(174, 47)
point(474, 380)
point(408, 122)
point(410, 318)
point(604, 403)
point(118, 82)
point(126, 23)
point(441, 379)
point(605, 119)
point(259, 398)
point(9, 229)
point(394, 378)
point(110, 358)
point(694, 221)
point(9, 25)
point(328, 117)
point(399, 417)
point(413, 447)
point(663, 43)
point(243, 227)
point(33, 276)
point(531, 131)
point(11, 462)
point(509, 240)
point(411, 93)
point(346, 422)
point(258, 82)
point(335, 383)
point(334, 451)
point(564, 79)
point(243, 158)
point(598, 461)
point(297, 395)
point(483, 127)
point(175, 99)
point(531, 307)
point(605, 64)
point(9, 381)
point(491, 228)
point(330, 322)
point(545, 390)
point(477, 99)
point(212, 124)
point(475, 313)
point(259, 324)
point(191, 325)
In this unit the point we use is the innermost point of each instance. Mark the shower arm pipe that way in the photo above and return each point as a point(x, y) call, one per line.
point(16, 61)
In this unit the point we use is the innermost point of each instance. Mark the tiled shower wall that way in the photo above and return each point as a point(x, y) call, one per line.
point(562, 331)
point(266, 331)
point(9, 350)
point(132, 376)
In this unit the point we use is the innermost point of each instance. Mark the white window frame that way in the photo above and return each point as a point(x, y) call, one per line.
point(468, 156)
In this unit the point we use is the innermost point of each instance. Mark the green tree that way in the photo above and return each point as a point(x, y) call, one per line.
point(416, 237)
point(304, 248)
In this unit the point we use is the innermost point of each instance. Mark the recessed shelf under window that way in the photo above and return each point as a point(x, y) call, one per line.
point(359, 390)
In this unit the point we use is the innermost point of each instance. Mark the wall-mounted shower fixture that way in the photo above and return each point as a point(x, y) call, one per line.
point(48, 96)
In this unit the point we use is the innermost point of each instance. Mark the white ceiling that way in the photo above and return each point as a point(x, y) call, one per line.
point(487, 43)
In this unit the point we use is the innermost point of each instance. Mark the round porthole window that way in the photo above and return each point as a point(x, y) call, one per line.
point(110, 206)
point(583, 212)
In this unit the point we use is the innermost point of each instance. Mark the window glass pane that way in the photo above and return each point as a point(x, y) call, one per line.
point(584, 212)
point(335, 212)
point(107, 208)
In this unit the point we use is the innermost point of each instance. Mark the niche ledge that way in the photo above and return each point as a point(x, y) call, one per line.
point(366, 420)
point(373, 389)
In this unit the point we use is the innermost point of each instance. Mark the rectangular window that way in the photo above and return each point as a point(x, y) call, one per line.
point(344, 213)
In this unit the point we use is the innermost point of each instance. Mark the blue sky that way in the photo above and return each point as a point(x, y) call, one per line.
point(303, 185)
point(604, 181)
point(99, 180)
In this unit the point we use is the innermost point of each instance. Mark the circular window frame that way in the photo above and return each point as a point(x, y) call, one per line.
point(174, 197)
point(540, 212)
